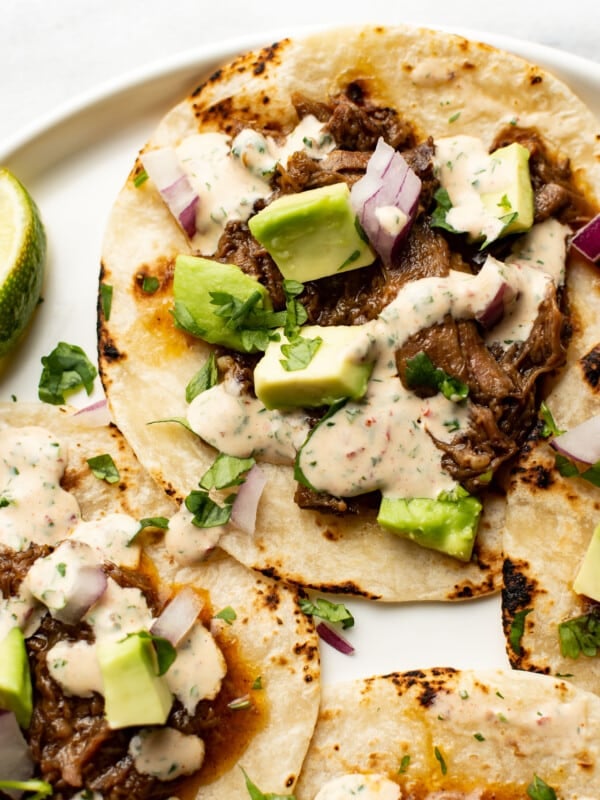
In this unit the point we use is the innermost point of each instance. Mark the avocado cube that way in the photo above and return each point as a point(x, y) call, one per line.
point(313, 234)
point(587, 580)
point(15, 677)
point(133, 692)
point(194, 280)
point(446, 525)
point(514, 199)
point(340, 368)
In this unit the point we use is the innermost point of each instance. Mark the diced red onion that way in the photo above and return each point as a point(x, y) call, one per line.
point(334, 639)
point(388, 183)
point(96, 415)
point(495, 310)
point(582, 442)
point(587, 240)
point(16, 763)
point(165, 170)
point(89, 584)
point(245, 506)
point(178, 616)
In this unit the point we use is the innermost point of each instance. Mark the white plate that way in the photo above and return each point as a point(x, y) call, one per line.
point(74, 164)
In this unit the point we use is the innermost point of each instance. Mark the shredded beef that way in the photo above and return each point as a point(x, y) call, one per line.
point(70, 741)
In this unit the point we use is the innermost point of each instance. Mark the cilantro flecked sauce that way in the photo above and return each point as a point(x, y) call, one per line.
point(384, 441)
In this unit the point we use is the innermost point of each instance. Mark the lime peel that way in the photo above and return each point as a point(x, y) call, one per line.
point(22, 259)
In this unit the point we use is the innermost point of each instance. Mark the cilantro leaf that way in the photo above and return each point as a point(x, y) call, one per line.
point(517, 629)
point(226, 471)
point(207, 513)
point(422, 372)
point(550, 427)
point(580, 635)
point(165, 652)
point(568, 469)
point(296, 314)
point(539, 790)
point(65, 369)
point(204, 379)
point(299, 352)
point(256, 794)
point(444, 204)
point(324, 609)
point(104, 468)
point(106, 294)
point(39, 787)
point(184, 319)
point(154, 522)
point(227, 614)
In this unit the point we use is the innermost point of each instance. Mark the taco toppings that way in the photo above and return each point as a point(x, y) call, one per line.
point(120, 681)
point(381, 291)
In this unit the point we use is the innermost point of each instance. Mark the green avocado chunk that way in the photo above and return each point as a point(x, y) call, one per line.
point(194, 280)
point(446, 525)
point(514, 201)
point(15, 678)
point(133, 692)
point(587, 580)
point(337, 370)
point(313, 234)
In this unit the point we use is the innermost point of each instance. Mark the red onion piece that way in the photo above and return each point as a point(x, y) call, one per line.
point(493, 313)
point(165, 170)
point(334, 639)
point(587, 240)
point(178, 616)
point(16, 763)
point(96, 415)
point(582, 442)
point(87, 588)
point(388, 185)
point(245, 506)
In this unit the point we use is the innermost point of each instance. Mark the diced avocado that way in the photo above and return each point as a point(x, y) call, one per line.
point(587, 581)
point(15, 677)
point(514, 200)
point(313, 234)
point(338, 369)
point(194, 279)
point(447, 525)
point(133, 692)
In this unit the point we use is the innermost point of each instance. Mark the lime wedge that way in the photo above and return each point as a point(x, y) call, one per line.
point(22, 257)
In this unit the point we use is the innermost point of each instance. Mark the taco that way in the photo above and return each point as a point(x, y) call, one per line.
point(386, 405)
point(121, 675)
point(551, 594)
point(441, 733)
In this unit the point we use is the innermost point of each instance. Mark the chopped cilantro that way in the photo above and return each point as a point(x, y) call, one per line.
point(568, 469)
point(38, 787)
point(104, 468)
point(65, 369)
point(226, 471)
point(580, 635)
point(227, 614)
point(440, 758)
point(204, 379)
point(422, 372)
point(324, 609)
point(154, 522)
point(256, 794)
point(150, 284)
point(549, 427)
point(479, 736)
point(454, 117)
point(539, 790)
point(106, 295)
point(207, 513)
point(517, 629)
point(299, 352)
point(257, 684)
point(404, 764)
point(140, 178)
point(61, 569)
point(165, 652)
point(444, 204)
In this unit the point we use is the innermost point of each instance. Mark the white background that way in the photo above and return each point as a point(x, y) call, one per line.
point(51, 51)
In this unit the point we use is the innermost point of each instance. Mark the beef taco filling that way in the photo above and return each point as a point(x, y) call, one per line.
point(412, 341)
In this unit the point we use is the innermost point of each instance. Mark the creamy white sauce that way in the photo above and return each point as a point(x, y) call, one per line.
point(467, 171)
point(544, 248)
point(229, 176)
point(33, 506)
point(118, 612)
point(367, 787)
point(198, 670)
point(186, 542)
point(112, 536)
point(391, 218)
point(166, 753)
point(14, 613)
point(75, 667)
